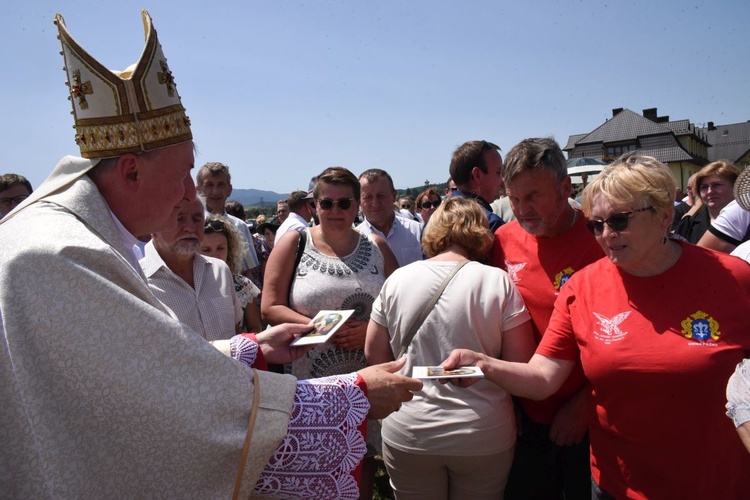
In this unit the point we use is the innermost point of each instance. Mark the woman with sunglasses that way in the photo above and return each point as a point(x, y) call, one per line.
point(656, 346)
point(223, 241)
point(427, 202)
point(339, 269)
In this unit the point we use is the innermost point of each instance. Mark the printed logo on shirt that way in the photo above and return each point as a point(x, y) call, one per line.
point(610, 327)
point(513, 269)
point(562, 277)
point(701, 327)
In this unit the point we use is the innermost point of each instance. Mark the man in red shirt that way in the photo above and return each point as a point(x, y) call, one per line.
point(540, 250)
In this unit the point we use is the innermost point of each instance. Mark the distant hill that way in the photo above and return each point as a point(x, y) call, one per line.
point(414, 191)
point(256, 197)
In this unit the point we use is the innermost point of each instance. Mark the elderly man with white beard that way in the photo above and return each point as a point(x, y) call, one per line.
point(198, 289)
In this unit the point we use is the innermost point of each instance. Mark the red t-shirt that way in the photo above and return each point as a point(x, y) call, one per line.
point(539, 267)
point(658, 352)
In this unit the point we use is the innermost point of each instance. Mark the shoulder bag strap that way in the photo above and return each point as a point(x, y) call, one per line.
point(297, 258)
point(427, 308)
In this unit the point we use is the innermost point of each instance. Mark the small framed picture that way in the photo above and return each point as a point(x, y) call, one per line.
point(326, 323)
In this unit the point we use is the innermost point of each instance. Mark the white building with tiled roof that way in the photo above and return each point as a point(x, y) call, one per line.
point(679, 144)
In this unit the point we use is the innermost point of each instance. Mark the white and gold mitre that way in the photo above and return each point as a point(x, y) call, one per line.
point(118, 112)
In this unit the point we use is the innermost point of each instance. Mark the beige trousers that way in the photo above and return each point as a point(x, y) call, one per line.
point(447, 477)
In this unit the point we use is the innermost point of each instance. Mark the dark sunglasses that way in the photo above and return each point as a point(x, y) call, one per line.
point(342, 203)
point(429, 204)
point(406, 205)
point(213, 226)
point(616, 222)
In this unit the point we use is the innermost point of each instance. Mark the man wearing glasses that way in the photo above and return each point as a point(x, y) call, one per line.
point(14, 189)
point(408, 208)
point(377, 197)
point(476, 168)
point(540, 250)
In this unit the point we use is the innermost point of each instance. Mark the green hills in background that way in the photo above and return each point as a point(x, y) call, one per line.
point(259, 198)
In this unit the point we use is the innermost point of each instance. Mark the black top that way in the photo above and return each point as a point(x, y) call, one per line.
point(692, 227)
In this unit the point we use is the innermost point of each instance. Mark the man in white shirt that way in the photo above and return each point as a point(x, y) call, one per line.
point(214, 183)
point(376, 199)
point(300, 213)
point(282, 210)
point(198, 289)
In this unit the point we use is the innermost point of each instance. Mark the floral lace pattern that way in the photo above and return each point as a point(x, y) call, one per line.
point(324, 282)
point(323, 445)
point(738, 394)
point(246, 290)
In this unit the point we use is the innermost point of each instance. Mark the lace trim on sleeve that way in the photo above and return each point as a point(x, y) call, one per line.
point(738, 394)
point(243, 349)
point(323, 445)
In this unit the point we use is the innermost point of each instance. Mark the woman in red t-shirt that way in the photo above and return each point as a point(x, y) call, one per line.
point(658, 326)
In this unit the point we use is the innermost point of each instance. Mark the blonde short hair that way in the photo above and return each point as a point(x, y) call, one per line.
point(458, 221)
point(635, 180)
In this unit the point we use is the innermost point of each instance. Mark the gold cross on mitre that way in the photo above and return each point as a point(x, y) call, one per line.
point(80, 90)
point(166, 78)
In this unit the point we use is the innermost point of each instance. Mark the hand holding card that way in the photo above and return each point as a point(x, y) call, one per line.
point(326, 323)
point(438, 372)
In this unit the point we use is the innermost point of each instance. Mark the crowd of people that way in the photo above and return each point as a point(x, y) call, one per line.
point(611, 336)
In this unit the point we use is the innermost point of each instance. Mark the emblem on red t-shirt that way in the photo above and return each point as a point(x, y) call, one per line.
point(512, 270)
point(700, 326)
point(562, 277)
point(610, 327)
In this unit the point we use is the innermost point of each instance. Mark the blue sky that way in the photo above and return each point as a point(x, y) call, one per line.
point(280, 90)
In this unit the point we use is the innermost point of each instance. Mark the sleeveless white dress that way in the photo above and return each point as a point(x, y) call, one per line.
point(324, 282)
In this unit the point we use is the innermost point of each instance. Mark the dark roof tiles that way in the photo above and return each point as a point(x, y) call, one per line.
point(729, 142)
point(625, 126)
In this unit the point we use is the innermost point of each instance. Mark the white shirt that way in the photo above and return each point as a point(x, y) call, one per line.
point(742, 251)
point(294, 222)
point(211, 308)
point(250, 259)
point(733, 221)
point(404, 239)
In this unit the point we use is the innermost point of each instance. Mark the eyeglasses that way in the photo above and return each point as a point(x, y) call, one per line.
point(327, 204)
point(616, 222)
point(214, 226)
point(454, 189)
point(9, 202)
point(429, 204)
point(406, 206)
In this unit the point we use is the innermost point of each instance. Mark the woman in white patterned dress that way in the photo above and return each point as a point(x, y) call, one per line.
point(339, 269)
